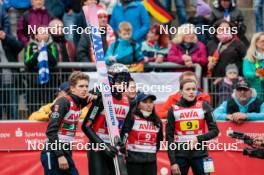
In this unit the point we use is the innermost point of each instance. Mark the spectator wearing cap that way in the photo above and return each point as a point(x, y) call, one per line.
point(142, 119)
point(243, 106)
point(135, 13)
point(226, 85)
point(85, 50)
point(43, 113)
point(200, 20)
point(253, 64)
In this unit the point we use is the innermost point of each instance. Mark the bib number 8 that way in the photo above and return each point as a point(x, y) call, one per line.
point(189, 125)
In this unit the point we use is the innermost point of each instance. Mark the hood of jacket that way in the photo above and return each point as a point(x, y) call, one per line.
point(251, 100)
point(216, 4)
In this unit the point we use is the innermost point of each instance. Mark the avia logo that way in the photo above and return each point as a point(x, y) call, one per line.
point(147, 127)
point(120, 111)
point(191, 114)
point(74, 117)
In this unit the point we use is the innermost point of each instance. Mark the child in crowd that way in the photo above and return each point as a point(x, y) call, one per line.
point(124, 50)
point(227, 84)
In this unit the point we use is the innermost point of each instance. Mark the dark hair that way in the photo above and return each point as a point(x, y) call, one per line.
point(182, 83)
point(221, 21)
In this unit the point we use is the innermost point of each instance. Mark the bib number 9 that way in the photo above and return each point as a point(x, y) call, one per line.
point(189, 125)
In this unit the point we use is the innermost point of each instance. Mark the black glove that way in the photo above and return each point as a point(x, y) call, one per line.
point(122, 147)
point(110, 151)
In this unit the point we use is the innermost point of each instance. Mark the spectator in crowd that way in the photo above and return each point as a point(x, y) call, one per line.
point(55, 8)
point(226, 85)
point(134, 13)
point(70, 18)
point(15, 9)
point(66, 48)
point(258, 7)
point(227, 10)
point(124, 50)
point(243, 106)
point(224, 49)
point(200, 20)
point(174, 98)
point(35, 17)
point(41, 54)
point(155, 48)
point(180, 9)
point(43, 113)
point(108, 5)
point(85, 49)
point(253, 64)
point(9, 49)
point(186, 49)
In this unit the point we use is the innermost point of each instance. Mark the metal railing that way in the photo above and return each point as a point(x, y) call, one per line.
point(218, 92)
point(20, 94)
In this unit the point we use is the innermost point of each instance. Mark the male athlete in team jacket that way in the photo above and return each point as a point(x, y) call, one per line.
point(95, 126)
point(186, 127)
point(56, 158)
point(143, 131)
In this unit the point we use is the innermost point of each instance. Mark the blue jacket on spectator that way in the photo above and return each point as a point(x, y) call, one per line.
point(136, 14)
point(17, 4)
point(124, 52)
point(4, 23)
point(222, 111)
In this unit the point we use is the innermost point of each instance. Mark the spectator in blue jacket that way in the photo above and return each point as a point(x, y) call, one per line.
point(243, 106)
point(134, 13)
point(15, 9)
point(124, 50)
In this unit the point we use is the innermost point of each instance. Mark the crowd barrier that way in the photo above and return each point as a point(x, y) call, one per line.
point(20, 94)
point(17, 157)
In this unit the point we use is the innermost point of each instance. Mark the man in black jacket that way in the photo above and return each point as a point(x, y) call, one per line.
point(56, 158)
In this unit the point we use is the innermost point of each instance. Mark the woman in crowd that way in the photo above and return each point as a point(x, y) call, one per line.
point(224, 49)
point(253, 64)
point(186, 49)
point(155, 48)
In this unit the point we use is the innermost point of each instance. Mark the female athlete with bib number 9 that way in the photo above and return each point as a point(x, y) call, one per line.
point(185, 132)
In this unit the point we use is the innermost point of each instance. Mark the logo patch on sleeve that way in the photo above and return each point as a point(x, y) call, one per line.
point(94, 112)
point(55, 115)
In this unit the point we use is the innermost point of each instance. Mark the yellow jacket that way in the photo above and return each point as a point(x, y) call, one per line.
point(43, 113)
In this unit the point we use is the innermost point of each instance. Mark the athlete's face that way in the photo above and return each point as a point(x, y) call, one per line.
point(189, 91)
point(80, 89)
point(146, 105)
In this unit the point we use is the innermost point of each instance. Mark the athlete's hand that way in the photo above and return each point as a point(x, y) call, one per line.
point(63, 163)
point(110, 151)
point(175, 169)
point(193, 143)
